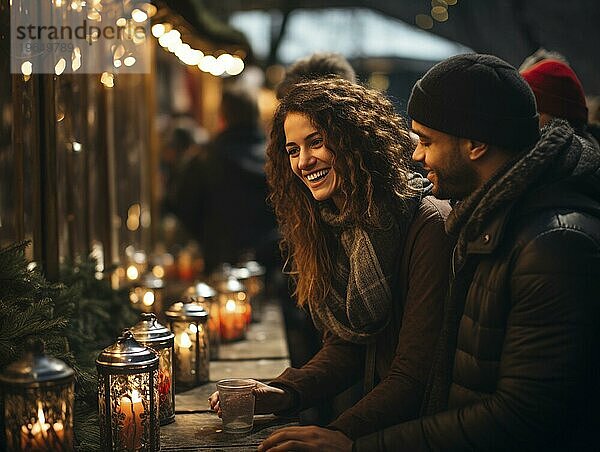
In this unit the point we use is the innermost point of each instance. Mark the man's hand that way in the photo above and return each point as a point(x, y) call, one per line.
point(310, 439)
point(268, 399)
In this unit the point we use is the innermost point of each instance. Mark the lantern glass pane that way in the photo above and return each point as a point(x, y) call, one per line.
point(213, 326)
point(40, 418)
point(188, 337)
point(165, 383)
point(234, 315)
point(133, 426)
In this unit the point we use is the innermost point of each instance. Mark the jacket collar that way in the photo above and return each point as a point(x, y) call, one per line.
point(560, 195)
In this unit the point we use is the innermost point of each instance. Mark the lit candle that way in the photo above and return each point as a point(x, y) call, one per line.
point(41, 436)
point(130, 435)
point(184, 357)
point(233, 321)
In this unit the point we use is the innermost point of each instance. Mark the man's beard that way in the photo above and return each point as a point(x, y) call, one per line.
point(456, 180)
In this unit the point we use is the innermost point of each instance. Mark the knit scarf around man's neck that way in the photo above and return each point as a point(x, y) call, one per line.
point(358, 305)
point(558, 154)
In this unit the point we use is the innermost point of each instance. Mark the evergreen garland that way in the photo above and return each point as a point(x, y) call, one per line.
point(76, 318)
point(27, 306)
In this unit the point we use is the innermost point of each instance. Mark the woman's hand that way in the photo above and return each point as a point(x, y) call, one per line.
point(268, 399)
point(309, 439)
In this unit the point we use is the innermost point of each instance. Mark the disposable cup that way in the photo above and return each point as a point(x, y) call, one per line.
point(237, 404)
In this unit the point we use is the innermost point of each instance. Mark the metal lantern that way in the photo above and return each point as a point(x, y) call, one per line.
point(206, 296)
point(252, 275)
point(147, 293)
point(150, 333)
point(188, 322)
point(128, 396)
point(38, 394)
point(235, 310)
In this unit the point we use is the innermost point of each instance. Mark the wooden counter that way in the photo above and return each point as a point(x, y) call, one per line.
point(263, 356)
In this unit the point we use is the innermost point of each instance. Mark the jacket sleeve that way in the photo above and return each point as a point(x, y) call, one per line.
point(398, 396)
point(546, 362)
point(337, 366)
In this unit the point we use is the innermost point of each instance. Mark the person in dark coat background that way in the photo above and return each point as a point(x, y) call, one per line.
point(222, 197)
point(516, 367)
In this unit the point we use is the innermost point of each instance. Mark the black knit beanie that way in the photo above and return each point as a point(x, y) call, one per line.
point(479, 97)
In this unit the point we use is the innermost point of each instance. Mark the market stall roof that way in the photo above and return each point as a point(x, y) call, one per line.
point(511, 29)
point(199, 21)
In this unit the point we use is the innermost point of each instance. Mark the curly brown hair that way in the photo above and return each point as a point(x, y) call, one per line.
point(370, 143)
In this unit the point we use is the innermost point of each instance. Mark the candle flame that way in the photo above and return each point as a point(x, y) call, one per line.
point(41, 417)
point(184, 340)
point(135, 396)
point(40, 426)
point(148, 299)
point(132, 272)
point(230, 306)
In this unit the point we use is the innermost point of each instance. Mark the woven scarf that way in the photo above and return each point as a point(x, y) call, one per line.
point(360, 298)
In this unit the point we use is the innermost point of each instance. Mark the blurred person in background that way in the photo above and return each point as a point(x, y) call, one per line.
point(222, 193)
point(366, 249)
point(315, 66)
point(559, 94)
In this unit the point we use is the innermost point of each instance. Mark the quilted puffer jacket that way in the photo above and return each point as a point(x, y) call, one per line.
point(523, 367)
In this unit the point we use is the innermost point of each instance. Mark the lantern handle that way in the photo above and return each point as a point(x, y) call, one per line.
point(149, 316)
point(126, 334)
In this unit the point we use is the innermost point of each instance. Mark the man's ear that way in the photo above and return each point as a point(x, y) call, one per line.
point(477, 149)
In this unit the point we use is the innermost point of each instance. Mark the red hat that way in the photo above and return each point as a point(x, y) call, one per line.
point(558, 91)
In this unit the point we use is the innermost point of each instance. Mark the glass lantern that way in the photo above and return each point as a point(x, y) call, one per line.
point(152, 334)
point(137, 263)
point(147, 293)
point(38, 393)
point(206, 296)
point(255, 285)
point(188, 322)
point(251, 274)
point(234, 309)
point(128, 396)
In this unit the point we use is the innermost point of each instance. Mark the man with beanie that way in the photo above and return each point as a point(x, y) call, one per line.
point(516, 365)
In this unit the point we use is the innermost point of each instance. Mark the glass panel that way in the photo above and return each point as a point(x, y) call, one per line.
point(19, 158)
point(131, 134)
point(71, 154)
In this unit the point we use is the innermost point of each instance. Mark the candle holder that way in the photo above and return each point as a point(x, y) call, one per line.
point(147, 294)
point(128, 396)
point(38, 393)
point(206, 296)
point(188, 322)
point(256, 287)
point(152, 334)
point(137, 263)
point(234, 309)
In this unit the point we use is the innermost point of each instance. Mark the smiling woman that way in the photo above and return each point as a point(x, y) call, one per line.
point(367, 251)
point(311, 160)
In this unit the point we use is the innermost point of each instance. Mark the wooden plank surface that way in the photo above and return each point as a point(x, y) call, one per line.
point(203, 431)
